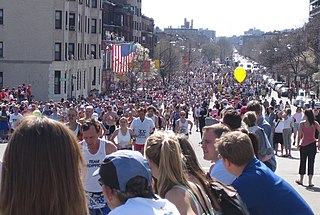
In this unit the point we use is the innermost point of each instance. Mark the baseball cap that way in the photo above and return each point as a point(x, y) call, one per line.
point(121, 166)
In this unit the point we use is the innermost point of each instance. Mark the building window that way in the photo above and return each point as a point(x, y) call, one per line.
point(88, 25)
point(1, 80)
point(66, 20)
point(71, 51)
point(1, 49)
point(94, 76)
point(84, 79)
point(65, 51)
point(79, 22)
point(78, 79)
point(99, 76)
point(57, 82)
point(94, 26)
point(100, 26)
point(72, 21)
point(79, 51)
point(57, 51)
point(58, 19)
point(65, 82)
point(94, 3)
point(93, 51)
point(85, 24)
point(99, 56)
point(1, 16)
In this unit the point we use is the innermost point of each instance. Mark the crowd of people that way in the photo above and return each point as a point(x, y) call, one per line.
point(135, 157)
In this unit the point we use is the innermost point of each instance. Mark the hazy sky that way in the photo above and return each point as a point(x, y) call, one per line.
point(229, 17)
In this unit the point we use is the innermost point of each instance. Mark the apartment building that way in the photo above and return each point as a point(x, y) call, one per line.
point(314, 8)
point(54, 45)
point(137, 20)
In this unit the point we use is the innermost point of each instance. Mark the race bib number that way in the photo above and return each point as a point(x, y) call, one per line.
point(95, 200)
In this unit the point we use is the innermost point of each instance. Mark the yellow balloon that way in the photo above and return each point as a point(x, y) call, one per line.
point(240, 74)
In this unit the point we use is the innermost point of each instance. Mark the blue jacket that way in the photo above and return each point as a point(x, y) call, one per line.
point(266, 193)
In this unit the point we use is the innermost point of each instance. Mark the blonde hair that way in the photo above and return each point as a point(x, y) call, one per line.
point(41, 170)
point(164, 150)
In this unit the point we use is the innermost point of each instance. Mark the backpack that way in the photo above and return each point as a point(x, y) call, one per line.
point(265, 146)
point(228, 198)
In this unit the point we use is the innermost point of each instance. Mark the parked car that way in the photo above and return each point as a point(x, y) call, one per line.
point(278, 87)
point(284, 91)
point(274, 85)
point(300, 101)
point(317, 105)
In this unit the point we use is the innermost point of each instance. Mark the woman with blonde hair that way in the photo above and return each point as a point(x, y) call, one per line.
point(41, 170)
point(165, 159)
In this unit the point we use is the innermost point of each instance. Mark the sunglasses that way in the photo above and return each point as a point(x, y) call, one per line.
point(71, 115)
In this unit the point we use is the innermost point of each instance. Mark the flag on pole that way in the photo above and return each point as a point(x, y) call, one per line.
point(122, 55)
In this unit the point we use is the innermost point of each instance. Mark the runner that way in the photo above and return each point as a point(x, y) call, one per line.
point(183, 125)
point(94, 151)
point(110, 118)
point(142, 127)
point(125, 135)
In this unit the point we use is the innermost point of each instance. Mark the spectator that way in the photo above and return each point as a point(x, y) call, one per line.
point(210, 153)
point(297, 117)
point(288, 125)
point(278, 133)
point(43, 159)
point(307, 145)
point(164, 156)
point(126, 182)
point(196, 174)
point(262, 190)
point(232, 119)
point(4, 123)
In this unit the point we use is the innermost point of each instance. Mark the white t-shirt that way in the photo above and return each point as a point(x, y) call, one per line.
point(145, 206)
point(221, 173)
point(14, 119)
point(279, 128)
point(287, 122)
point(142, 129)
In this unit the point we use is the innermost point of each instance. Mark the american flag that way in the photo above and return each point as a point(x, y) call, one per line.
point(122, 55)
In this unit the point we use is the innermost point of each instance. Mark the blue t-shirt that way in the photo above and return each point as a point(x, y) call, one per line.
point(266, 193)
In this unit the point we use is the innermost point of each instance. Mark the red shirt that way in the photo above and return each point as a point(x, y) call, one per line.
point(308, 134)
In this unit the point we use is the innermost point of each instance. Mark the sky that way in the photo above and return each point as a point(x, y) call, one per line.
point(229, 17)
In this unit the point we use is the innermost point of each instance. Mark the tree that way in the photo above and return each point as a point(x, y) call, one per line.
point(136, 67)
point(170, 59)
point(225, 48)
point(210, 51)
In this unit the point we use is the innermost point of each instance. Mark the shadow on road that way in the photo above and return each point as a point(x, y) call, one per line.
point(313, 189)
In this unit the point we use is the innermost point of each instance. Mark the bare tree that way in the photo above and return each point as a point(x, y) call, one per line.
point(170, 59)
point(210, 51)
